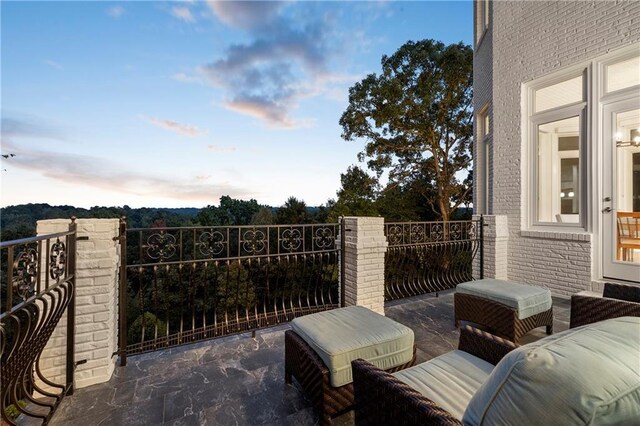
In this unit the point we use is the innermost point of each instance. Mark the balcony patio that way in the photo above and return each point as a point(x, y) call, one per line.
point(240, 380)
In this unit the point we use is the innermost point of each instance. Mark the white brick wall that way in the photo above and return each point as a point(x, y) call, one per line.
point(98, 259)
point(495, 245)
point(528, 40)
point(365, 247)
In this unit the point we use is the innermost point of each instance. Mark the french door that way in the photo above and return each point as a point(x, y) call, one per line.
point(621, 190)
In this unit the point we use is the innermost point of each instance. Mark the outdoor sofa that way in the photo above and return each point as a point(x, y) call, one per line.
point(617, 300)
point(586, 375)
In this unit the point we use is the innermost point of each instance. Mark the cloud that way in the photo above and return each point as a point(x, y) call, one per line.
point(247, 15)
point(267, 76)
point(115, 11)
point(15, 126)
point(98, 173)
point(53, 64)
point(182, 13)
point(216, 148)
point(182, 129)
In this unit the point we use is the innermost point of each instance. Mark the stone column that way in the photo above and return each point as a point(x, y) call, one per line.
point(98, 260)
point(365, 247)
point(496, 243)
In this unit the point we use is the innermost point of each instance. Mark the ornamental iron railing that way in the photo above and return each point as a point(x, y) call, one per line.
point(37, 289)
point(188, 284)
point(427, 257)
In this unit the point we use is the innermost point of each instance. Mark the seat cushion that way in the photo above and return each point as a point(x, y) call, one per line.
point(449, 380)
point(525, 299)
point(341, 335)
point(585, 375)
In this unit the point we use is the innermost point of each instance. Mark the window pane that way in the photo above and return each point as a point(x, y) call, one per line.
point(557, 95)
point(623, 74)
point(558, 173)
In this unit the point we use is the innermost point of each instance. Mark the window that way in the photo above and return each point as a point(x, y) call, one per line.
point(483, 159)
point(558, 112)
point(622, 75)
point(482, 18)
point(558, 171)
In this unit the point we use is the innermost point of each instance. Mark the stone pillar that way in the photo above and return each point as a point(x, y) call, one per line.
point(365, 247)
point(98, 260)
point(496, 243)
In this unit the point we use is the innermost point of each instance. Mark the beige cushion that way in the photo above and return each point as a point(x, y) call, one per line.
point(586, 375)
point(341, 335)
point(449, 380)
point(525, 299)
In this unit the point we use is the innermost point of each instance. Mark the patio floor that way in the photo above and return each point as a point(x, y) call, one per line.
point(240, 380)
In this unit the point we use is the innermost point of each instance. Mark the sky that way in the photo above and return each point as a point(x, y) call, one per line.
point(175, 104)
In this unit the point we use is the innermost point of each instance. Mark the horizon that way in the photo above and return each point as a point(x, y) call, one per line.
point(176, 104)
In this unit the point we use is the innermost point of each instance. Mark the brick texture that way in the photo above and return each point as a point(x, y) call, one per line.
point(527, 40)
point(365, 247)
point(98, 260)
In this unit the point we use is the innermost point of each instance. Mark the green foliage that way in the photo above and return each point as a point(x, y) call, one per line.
point(229, 212)
point(293, 211)
point(12, 412)
point(264, 216)
point(416, 120)
point(20, 221)
point(357, 195)
point(234, 290)
point(150, 322)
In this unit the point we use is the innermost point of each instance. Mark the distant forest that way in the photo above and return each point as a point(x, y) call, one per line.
point(20, 221)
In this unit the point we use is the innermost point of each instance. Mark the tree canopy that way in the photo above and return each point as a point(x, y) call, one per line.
point(416, 120)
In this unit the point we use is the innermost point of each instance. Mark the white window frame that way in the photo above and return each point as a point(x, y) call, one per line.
point(482, 19)
point(530, 161)
point(484, 129)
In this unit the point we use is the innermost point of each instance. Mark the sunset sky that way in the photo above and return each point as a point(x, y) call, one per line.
point(173, 104)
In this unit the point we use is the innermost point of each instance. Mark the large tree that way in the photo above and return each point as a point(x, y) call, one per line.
point(416, 119)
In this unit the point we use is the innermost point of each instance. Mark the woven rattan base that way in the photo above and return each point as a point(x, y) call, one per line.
point(302, 362)
point(497, 318)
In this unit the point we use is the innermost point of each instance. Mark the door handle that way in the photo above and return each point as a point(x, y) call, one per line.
point(607, 199)
point(606, 210)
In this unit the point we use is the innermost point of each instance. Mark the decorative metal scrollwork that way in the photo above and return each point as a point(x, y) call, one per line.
point(437, 232)
point(211, 243)
point(455, 231)
point(417, 234)
point(471, 230)
point(25, 267)
point(291, 239)
point(253, 242)
point(324, 238)
point(57, 260)
point(394, 234)
point(161, 246)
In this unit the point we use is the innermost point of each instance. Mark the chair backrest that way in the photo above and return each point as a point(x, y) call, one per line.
point(629, 293)
point(628, 224)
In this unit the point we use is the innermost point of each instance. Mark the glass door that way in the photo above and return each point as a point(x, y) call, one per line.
point(621, 202)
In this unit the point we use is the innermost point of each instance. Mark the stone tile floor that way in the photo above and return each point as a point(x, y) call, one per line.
point(239, 380)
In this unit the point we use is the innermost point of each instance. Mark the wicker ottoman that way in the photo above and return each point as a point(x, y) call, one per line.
point(320, 347)
point(504, 308)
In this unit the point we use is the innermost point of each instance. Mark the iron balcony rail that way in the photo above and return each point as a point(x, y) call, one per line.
point(427, 257)
point(188, 284)
point(37, 288)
